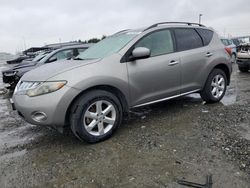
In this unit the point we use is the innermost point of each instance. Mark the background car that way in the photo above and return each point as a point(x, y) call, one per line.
point(229, 44)
point(12, 75)
point(18, 59)
point(243, 59)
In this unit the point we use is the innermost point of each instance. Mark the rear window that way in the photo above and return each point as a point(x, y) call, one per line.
point(206, 35)
point(187, 39)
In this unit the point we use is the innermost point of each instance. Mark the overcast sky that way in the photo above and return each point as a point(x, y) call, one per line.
point(26, 23)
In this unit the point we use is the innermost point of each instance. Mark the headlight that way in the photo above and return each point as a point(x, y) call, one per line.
point(33, 89)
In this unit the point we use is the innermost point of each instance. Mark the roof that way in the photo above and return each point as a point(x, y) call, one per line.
point(64, 44)
point(35, 49)
point(164, 24)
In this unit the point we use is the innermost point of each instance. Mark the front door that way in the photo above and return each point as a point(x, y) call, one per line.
point(157, 77)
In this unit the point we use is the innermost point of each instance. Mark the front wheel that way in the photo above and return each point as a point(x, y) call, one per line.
point(215, 86)
point(95, 116)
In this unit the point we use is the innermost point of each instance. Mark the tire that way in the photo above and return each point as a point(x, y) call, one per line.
point(243, 69)
point(215, 86)
point(88, 119)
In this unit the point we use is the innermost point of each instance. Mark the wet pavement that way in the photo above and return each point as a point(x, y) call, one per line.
point(178, 139)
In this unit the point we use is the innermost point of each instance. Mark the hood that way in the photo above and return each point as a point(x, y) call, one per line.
point(47, 71)
point(24, 65)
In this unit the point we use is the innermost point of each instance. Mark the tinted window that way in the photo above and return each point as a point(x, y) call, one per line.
point(159, 43)
point(187, 39)
point(206, 35)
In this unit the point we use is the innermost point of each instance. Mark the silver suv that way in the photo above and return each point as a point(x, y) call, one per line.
point(129, 69)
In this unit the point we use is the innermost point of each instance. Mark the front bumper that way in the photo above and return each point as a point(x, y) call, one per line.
point(53, 105)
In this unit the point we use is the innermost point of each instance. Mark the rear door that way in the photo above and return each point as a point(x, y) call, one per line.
point(194, 55)
point(158, 76)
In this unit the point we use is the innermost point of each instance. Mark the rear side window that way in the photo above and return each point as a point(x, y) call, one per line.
point(159, 43)
point(206, 35)
point(187, 39)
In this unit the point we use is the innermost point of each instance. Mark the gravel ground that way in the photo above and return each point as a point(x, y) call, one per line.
point(178, 139)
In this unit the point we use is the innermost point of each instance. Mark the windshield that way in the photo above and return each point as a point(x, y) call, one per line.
point(107, 46)
point(39, 56)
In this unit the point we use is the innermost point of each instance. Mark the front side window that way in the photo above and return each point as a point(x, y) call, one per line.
point(65, 54)
point(187, 39)
point(159, 43)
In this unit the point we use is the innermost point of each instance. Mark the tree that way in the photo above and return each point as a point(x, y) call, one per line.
point(93, 40)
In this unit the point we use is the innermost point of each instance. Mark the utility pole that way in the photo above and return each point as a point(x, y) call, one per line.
point(200, 15)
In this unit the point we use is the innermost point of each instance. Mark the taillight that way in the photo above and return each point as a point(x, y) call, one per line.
point(228, 50)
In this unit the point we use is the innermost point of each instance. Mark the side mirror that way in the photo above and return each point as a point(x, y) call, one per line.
point(52, 59)
point(140, 53)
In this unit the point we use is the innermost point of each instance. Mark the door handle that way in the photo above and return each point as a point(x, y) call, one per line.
point(209, 54)
point(172, 63)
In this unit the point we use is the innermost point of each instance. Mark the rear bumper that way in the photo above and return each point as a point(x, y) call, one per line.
point(243, 62)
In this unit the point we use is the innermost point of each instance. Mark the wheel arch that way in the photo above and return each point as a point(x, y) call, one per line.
point(226, 70)
point(118, 93)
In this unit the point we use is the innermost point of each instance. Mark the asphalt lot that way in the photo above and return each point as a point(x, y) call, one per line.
point(178, 139)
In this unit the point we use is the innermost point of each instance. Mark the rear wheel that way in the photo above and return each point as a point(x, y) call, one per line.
point(215, 86)
point(243, 69)
point(95, 116)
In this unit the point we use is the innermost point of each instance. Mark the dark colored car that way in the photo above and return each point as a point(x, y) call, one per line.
point(12, 75)
point(18, 59)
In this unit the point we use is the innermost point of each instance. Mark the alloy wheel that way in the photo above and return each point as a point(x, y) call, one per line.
point(99, 118)
point(218, 86)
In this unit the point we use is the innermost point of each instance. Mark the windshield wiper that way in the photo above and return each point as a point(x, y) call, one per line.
point(77, 58)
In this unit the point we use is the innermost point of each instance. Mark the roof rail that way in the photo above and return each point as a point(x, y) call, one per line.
point(121, 31)
point(164, 23)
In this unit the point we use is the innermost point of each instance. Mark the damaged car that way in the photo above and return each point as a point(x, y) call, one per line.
point(243, 59)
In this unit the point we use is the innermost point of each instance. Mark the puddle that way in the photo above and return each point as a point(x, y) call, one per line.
point(16, 137)
point(229, 99)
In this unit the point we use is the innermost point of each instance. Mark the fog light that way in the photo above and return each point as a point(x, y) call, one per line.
point(39, 116)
